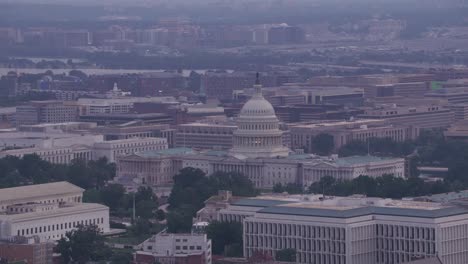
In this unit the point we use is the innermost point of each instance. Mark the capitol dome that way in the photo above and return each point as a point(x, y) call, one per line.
point(258, 134)
point(259, 107)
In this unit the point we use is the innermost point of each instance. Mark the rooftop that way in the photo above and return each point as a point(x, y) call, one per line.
point(165, 152)
point(32, 192)
point(348, 207)
point(354, 160)
point(60, 211)
point(333, 123)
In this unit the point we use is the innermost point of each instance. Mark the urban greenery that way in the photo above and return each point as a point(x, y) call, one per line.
point(82, 245)
point(192, 187)
point(31, 169)
point(226, 237)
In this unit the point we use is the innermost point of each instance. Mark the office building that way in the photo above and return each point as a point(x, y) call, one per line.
point(415, 89)
point(353, 230)
point(137, 129)
point(344, 132)
point(460, 111)
point(432, 116)
point(37, 112)
point(450, 95)
point(48, 211)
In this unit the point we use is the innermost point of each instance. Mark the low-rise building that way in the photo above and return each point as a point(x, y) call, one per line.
point(175, 248)
point(28, 250)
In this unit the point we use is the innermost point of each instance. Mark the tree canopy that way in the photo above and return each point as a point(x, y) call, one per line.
point(31, 169)
point(83, 245)
point(323, 144)
point(192, 188)
point(226, 237)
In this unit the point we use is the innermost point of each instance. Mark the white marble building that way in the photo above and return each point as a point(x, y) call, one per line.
point(258, 153)
point(48, 211)
point(352, 230)
point(115, 148)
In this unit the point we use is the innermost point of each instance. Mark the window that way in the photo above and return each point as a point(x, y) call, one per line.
point(177, 247)
point(184, 247)
point(191, 247)
point(198, 247)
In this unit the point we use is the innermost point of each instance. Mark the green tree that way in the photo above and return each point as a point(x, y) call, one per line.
point(160, 215)
point(141, 227)
point(82, 245)
point(226, 238)
point(180, 220)
point(112, 195)
point(286, 255)
point(235, 182)
point(121, 257)
point(323, 144)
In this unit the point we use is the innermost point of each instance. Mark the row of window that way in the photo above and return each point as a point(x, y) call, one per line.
point(58, 227)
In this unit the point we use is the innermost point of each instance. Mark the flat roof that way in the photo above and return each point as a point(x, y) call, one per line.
point(164, 152)
point(336, 123)
point(348, 207)
point(353, 160)
point(57, 212)
point(39, 190)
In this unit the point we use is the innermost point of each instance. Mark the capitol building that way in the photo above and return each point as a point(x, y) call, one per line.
point(258, 152)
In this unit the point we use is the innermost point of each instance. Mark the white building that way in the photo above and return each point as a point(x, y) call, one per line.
point(164, 246)
point(48, 211)
point(258, 152)
point(352, 230)
point(115, 148)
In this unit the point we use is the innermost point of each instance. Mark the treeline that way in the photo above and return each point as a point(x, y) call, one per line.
point(386, 186)
point(31, 169)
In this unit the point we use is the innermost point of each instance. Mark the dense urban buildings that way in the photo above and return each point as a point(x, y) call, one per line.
point(258, 152)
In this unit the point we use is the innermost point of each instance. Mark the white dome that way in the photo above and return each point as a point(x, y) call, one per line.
point(257, 106)
point(258, 134)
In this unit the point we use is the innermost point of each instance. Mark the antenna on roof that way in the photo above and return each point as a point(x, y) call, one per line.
point(258, 86)
point(257, 79)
